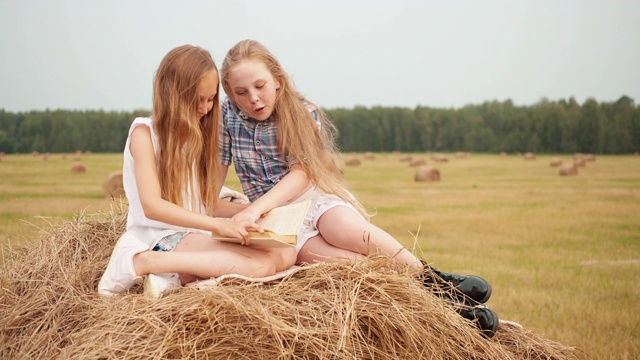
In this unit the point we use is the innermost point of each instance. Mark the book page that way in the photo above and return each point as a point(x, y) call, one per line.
point(285, 220)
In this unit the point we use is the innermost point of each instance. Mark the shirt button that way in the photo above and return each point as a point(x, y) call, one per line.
point(257, 142)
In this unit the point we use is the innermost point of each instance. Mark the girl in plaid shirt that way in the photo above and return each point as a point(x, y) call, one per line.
point(283, 150)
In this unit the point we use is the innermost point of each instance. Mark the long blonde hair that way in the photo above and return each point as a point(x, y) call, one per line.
point(188, 146)
point(298, 135)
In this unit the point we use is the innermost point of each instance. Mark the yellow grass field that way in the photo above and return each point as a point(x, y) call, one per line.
point(562, 253)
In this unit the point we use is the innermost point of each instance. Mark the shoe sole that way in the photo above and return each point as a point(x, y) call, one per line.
point(489, 333)
point(150, 291)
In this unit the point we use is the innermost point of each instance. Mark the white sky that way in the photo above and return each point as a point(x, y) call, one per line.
point(91, 55)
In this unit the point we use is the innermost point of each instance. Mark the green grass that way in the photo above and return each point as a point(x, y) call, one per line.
point(562, 253)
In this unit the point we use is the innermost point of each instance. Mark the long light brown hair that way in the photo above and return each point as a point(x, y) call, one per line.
point(188, 146)
point(298, 135)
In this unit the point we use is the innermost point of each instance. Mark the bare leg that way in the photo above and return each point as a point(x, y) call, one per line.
point(316, 249)
point(199, 256)
point(343, 228)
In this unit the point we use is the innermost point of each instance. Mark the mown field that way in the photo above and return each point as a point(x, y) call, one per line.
point(562, 253)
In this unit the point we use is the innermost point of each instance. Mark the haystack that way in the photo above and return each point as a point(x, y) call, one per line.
point(417, 162)
point(405, 158)
point(568, 170)
point(49, 309)
point(426, 173)
point(352, 161)
point(441, 158)
point(78, 168)
point(529, 156)
point(112, 185)
point(555, 162)
point(369, 155)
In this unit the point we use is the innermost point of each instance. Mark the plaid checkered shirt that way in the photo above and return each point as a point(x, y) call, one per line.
point(252, 145)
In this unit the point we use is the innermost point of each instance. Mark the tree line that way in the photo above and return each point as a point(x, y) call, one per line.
point(562, 126)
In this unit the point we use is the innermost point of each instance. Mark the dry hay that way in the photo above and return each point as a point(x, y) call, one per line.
point(503, 154)
point(439, 158)
point(529, 156)
point(369, 155)
point(426, 173)
point(462, 155)
point(406, 158)
point(579, 162)
point(417, 162)
point(352, 161)
point(555, 162)
point(568, 170)
point(49, 308)
point(113, 186)
point(78, 168)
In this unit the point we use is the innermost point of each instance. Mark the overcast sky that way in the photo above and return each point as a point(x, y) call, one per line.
point(91, 55)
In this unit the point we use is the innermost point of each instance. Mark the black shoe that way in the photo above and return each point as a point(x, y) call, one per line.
point(467, 289)
point(483, 318)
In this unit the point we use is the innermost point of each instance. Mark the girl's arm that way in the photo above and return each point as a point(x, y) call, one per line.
point(294, 184)
point(226, 208)
point(159, 209)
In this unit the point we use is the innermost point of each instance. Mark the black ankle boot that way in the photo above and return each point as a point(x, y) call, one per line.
point(483, 318)
point(467, 289)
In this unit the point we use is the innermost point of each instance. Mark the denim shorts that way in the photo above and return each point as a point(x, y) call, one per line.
point(169, 242)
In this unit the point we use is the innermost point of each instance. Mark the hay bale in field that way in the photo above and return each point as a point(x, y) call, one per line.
point(417, 162)
point(369, 155)
point(555, 162)
point(590, 157)
point(568, 170)
point(580, 161)
point(78, 168)
point(352, 161)
point(426, 173)
point(113, 186)
point(49, 308)
point(439, 158)
point(529, 156)
point(405, 158)
point(503, 154)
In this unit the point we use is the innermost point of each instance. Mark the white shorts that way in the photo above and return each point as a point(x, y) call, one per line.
point(320, 203)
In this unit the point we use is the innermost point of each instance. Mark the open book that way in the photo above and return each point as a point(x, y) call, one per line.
point(280, 226)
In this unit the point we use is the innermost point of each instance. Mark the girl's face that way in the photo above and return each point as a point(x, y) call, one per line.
point(207, 90)
point(254, 89)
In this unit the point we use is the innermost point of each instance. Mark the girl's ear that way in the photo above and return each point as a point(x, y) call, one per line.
point(277, 84)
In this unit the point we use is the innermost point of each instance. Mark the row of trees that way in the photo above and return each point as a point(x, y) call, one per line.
point(546, 127)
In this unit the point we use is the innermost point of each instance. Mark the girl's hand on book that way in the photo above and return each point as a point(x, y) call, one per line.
point(238, 230)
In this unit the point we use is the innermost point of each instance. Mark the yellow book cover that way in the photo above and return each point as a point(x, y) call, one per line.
point(281, 226)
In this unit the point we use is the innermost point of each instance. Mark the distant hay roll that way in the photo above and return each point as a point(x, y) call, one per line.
point(590, 157)
point(440, 158)
point(580, 162)
point(405, 158)
point(78, 168)
point(503, 154)
point(113, 186)
point(555, 162)
point(352, 161)
point(418, 162)
point(568, 170)
point(369, 155)
point(426, 173)
point(529, 156)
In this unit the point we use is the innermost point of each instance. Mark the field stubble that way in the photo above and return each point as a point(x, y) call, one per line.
point(562, 253)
